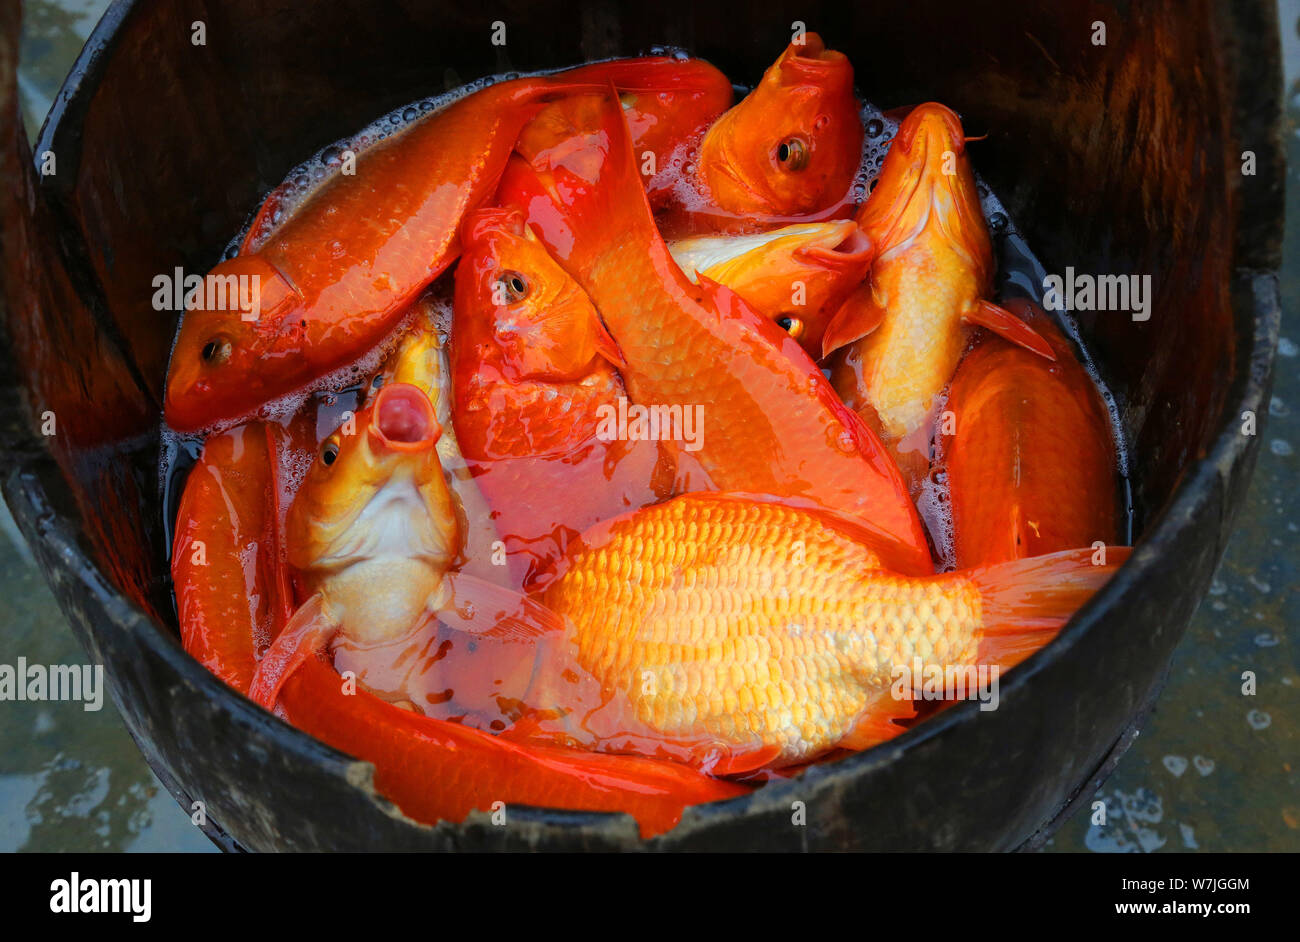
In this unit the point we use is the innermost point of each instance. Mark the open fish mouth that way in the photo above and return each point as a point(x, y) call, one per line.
point(404, 420)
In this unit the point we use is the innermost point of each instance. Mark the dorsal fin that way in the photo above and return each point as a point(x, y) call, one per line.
point(1009, 327)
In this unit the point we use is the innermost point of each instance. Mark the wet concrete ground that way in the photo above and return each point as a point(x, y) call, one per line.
point(1213, 769)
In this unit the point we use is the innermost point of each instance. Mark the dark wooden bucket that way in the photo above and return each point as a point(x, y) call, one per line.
point(1121, 158)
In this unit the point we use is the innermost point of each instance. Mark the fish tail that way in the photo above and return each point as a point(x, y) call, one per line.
point(589, 184)
point(1025, 602)
point(618, 194)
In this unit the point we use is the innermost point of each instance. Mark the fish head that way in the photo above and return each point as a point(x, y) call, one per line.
point(794, 144)
point(376, 491)
point(218, 369)
point(795, 275)
point(926, 180)
point(512, 295)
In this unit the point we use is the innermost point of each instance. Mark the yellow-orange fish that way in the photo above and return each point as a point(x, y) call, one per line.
point(420, 360)
point(796, 275)
point(370, 536)
point(737, 634)
point(932, 271)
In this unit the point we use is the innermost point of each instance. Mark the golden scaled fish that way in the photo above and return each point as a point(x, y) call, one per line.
point(737, 634)
point(932, 273)
point(796, 276)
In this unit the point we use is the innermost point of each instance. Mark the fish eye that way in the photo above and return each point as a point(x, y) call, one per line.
point(790, 324)
point(329, 451)
point(792, 154)
point(512, 287)
point(217, 350)
point(377, 381)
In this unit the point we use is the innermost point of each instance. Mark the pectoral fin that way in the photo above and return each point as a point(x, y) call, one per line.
point(305, 635)
point(876, 723)
point(858, 316)
point(737, 761)
point(607, 346)
point(476, 606)
point(262, 220)
point(1009, 327)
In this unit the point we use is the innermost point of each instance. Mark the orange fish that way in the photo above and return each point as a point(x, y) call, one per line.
point(793, 145)
point(435, 770)
point(933, 271)
point(1031, 465)
point(535, 374)
point(523, 326)
point(771, 423)
point(738, 635)
point(796, 276)
point(225, 554)
point(335, 278)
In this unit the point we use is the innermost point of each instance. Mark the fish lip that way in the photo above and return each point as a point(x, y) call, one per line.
point(917, 120)
point(173, 412)
point(816, 64)
point(405, 396)
point(183, 403)
point(855, 249)
point(814, 44)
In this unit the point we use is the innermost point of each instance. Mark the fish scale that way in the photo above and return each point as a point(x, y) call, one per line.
point(762, 626)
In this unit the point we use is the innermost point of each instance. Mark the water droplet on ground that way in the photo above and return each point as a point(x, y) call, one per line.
point(1258, 719)
point(1176, 765)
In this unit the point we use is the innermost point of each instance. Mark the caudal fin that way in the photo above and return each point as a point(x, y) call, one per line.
point(1026, 601)
point(578, 156)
